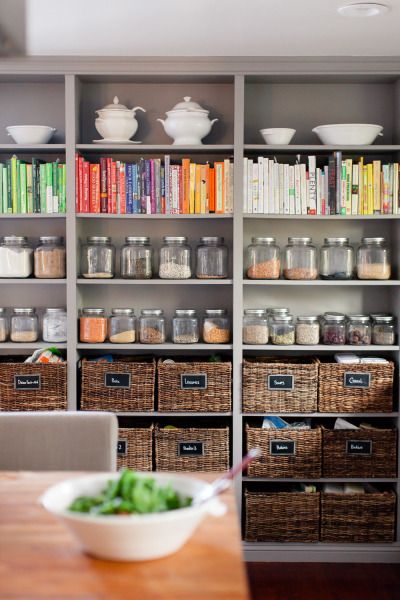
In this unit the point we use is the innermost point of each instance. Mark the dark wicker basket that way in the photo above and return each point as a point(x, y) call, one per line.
point(335, 397)
point(216, 377)
point(360, 518)
point(176, 449)
point(377, 459)
point(305, 462)
point(50, 395)
point(282, 517)
point(258, 397)
point(135, 448)
point(139, 396)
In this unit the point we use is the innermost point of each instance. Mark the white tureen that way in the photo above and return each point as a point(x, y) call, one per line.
point(187, 123)
point(116, 122)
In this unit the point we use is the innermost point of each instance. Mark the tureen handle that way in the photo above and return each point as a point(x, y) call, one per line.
point(161, 121)
point(213, 121)
point(138, 108)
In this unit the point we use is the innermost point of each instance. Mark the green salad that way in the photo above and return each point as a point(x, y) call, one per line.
point(131, 494)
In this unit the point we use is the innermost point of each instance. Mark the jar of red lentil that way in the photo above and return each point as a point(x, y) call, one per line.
point(92, 326)
point(216, 327)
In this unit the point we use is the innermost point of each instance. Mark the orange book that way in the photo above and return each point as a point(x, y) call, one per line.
point(186, 186)
point(211, 184)
point(197, 191)
point(219, 187)
point(94, 188)
point(203, 190)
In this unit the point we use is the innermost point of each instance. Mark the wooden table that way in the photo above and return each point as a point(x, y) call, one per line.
point(40, 559)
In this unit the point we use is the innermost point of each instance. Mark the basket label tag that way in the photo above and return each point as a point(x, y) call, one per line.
point(194, 381)
point(357, 380)
point(359, 447)
point(280, 382)
point(27, 382)
point(122, 447)
point(191, 449)
point(117, 380)
point(282, 447)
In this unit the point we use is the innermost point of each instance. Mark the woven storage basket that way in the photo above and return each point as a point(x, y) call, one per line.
point(135, 448)
point(258, 378)
point(282, 517)
point(305, 462)
point(52, 379)
point(340, 461)
point(139, 396)
point(173, 396)
point(358, 518)
point(335, 397)
point(170, 449)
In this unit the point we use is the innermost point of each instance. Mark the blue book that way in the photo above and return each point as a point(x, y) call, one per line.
point(128, 188)
point(147, 186)
point(136, 208)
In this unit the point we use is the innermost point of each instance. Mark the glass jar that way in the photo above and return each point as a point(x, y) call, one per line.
point(282, 330)
point(152, 326)
point(300, 259)
point(263, 259)
point(24, 325)
point(255, 326)
point(122, 326)
point(358, 330)
point(49, 258)
point(211, 258)
point(216, 326)
point(3, 325)
point(373, 259)
point(98, 258)
point(276, 312)
point(137, 258)
point(337, 259)
point(333, 329)
point(185, 327)
point(15, 257)
point(307, 330)
point(93, 326)
point(384, 330)
point(55, 325)
point(175, 258)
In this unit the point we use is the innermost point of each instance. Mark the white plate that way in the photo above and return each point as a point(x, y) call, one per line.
point(110, 141)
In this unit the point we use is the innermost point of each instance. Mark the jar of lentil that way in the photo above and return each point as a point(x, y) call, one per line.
point(300, 259)
point(122, 326)
point(137, 258)
point(383, 330)
point(49, 258)
point(283, 330)
point(255, 326)
point(98, 258)
point(337, 259)
point(3, 325)
point(333, 329)
point(216, 327)
point(55, 325)
point(24, 325)
point(175, 258)
point(263, 259)
point(15, 257)
point(211, 258)
point(185, 327)
point(93, 326)
point(307, 330)
point(152, 326)
point(373, 259)
point(358, 330)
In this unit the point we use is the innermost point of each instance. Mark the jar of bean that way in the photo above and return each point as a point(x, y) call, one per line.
point(122, 326)
point(24, 325)
point(255, 326)
point(49, 258)
point(307, 330)
point(283, 330)
point(300, 259)
point(98, 258)
point(263, 259)
point(383, 330)
point(55, 325)
point(216, 327)
point(152, 326)
point(373, 259)
point(93, 326)
point(211, 258)
point(337, 259)
point(137, 258)
point(3, 325)
point(358, 330)
point(333, 329)
point(175, 258)
point(185, 327)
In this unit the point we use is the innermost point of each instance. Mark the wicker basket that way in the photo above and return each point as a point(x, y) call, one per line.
point(135, 448)
point(336, 396)
point(138, 396)
point(192, 449)
point(261, 395)
point(358, 518)
point(374, 456)
point(305, 449)
point(213, 394)
point(49, 380)
point(282, 517)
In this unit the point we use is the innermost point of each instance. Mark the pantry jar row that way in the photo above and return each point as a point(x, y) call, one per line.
point(137, 258)
point(122, 327)
point(23, 325)
point(301, 259)
point(19, 259)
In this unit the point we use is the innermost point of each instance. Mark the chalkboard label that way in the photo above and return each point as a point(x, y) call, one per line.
point(280, 382)
point(27, 382)
point(191, 449)
point(359, 447)
point(357, 380)
point(282, 447)
point(194, 381)
point(117, 380)
point(122, 447)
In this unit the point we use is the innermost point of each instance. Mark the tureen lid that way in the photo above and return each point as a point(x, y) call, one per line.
point(188, 106)
point(115, 106)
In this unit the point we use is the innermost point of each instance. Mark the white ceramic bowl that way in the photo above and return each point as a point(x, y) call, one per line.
point(130, 537)
point(31, 134)
point(278, 135)
point(350, 134)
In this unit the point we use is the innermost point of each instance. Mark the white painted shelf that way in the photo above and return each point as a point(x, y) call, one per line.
point(30, 346)
point(321, 148)
point(325, 415)
point(321, 348)
point(42, 148)
point(322, 217)
point(155, 347)
point(32, 281)
point(33, 216)
point(83, 281)
point(155, 148)
point(155, 216)
point(173, 414)
point(324, 282)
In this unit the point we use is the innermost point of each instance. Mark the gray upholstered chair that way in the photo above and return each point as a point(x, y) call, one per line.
point(58, 441)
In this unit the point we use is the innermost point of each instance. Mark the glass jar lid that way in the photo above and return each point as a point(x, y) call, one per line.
point(299, 240)
point(263, 240)
point(211, 240)
point(2, 311)
point(259, 312)
point(98, 239)
point(93, 311)
point(278, 311)
point(185, 312)
point(151, 312)
point(373, 240)
point(336, 318)
point(215, 312)
point(137, 240)
point(179, 239)
point(336, 240)
point(308, 319)
point(358, 318)
point(127, 312)
point(51, 239)
point(283, 318)
point(24, 311)
point(55, 310)
point(14, 239)
point(384, 319)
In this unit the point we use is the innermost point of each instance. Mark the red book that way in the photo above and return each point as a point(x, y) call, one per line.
point(86, 187)
point(113, 187)
point(103, 185)
point(94, 188)
point(77, 199)
point(80, 176)
point(109, 186)
point(122, 189)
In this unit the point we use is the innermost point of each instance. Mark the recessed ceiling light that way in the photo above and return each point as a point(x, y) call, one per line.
point(363, 9)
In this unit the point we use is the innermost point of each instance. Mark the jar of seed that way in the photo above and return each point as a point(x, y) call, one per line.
point(333, 329)
point(276, 312)
point(373, 259)
point(211, 258)
point(383, 330)
point(358, 330)
point(255, 326)
point(122, 326)
point(307, 330)
point(216, 327)
point(300, 260)
point(137, 258)
point(263, 259)
point(3, 325)
point(152, 326)
point(337, 259)
point(98, 258)
point(175, 258)
point(283, 330)
point(185, 327)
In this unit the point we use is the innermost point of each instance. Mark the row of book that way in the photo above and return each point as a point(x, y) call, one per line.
point(342, 187)
point(152, 186)
point(32, 187)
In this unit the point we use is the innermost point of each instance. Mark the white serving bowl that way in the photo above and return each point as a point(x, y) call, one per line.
point(31, 134)
point(130, 537)
point(278, 135)
point(350, 134)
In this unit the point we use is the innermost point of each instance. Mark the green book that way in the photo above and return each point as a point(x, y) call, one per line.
point(22, 188)
point(1, 188)
point(49, 188)
point(29, 188)
point(60, 184)
point(9, 191)
point(14, 190)
point(43, 190)
point(56, 198)
point(35, 185)
point(18, 187)
point(5, 189)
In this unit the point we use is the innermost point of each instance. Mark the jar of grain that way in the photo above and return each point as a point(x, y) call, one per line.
point(3, 325)
point(98, 258)
point(333, 329)
point(137, 258)
point(373, 259)
point(300, 259)
point(24, 325)
point(175, 258)
point(15, 257)
point(152, 326)
point(276, 312)
point(211, 258)
point(263, 259)
point(283, 330)
point(337, 259)
point(49, 258)
point(358, 330)
point(255, 326)
point(122, 326)
point(383, 330)
point(216, 327)
point(55, 325)
point(307, 330)
point(185, 327)
point(93, 326)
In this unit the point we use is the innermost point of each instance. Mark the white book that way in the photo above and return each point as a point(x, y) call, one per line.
point(255, 188)
point(297, 190)
point(245, 206)
point(318, 189)
point(303, 188)
point(277, 204)
point(292, 208)
point(271, 183)
point(286, 207)
point(227, 184)
point(354, 189)
point(55, 204)
point(395, 188)
point(266, 185)
point(307, 193)
point(260, 205)
point(250, 186)
point(281, 189)
point(312, 185)
point(49, 199)
point(167, 161)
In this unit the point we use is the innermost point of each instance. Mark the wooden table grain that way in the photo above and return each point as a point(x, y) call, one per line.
point(39, 558)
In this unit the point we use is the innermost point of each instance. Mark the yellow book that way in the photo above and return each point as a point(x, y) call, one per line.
point(203, 189)
point(349, 175)
point(192, 188)
point(360, 186)
point(365, 190)
point(376, 166)
point(370, 189)
point(197, 196)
